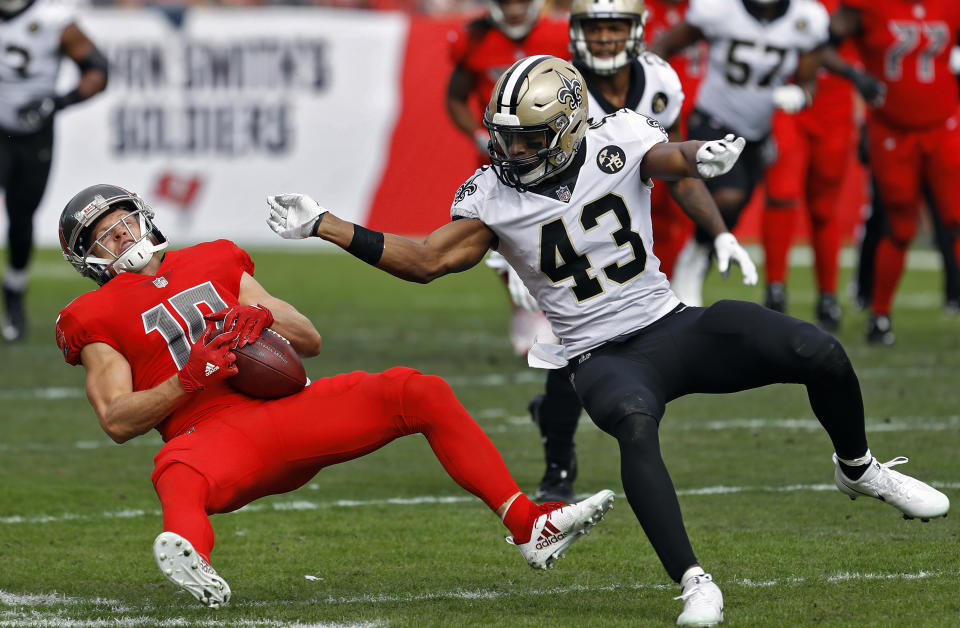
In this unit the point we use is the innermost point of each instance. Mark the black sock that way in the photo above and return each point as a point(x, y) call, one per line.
point(853, 473)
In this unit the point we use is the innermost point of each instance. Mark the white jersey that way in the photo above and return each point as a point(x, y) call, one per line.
point(583, 244)
point(30, 57)
point(749, 58)
point(655, 91)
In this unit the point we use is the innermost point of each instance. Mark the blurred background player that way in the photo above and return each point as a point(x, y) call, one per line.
point(672, 227)
point(606, 39)
point(35, 36)
point(913, 139)
point(755, 47)
point(481, 52)
point(813, 150)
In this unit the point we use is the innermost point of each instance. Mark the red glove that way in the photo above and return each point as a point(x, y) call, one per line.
point(210, 361)
point(248, 320)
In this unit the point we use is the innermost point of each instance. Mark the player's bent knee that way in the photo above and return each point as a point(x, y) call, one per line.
point(622, 412)
point(427, 396)
point(822, 355)
point(638, 432)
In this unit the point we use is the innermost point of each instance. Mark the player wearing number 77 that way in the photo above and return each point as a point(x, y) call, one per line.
point(568, 205)
point(144, 338)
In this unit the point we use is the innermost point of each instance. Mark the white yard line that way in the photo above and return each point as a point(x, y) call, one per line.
point(304, 504)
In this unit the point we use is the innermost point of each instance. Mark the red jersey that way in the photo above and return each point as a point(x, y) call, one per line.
point(907, 44)
point(691, 64)
point(485, 52)
point(833, 103)
point(154, 320)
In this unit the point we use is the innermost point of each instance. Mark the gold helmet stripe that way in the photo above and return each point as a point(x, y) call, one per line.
point(509, 94)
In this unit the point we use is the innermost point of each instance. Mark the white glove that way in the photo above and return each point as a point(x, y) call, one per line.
point(790, 98)
point(727, 249)
point(293, 216)
point(718, 156)
point(519, 293)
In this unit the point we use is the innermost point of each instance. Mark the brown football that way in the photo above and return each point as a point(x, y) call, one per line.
point(268, 368)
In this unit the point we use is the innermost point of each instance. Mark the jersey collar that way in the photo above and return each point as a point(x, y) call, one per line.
point(553, 188)
point(638, 83)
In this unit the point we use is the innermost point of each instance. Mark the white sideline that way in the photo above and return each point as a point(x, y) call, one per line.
point(303, 504)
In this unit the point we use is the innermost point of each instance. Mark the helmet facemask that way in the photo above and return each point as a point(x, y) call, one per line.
point(136, 256)
point(92, 258)
point(630, 11)
point(537, 118)
point(515, 31)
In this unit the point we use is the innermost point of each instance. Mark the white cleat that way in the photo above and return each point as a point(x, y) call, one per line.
point(702, 602)
point(912, 497)
point(183, 566)
point(559, 526)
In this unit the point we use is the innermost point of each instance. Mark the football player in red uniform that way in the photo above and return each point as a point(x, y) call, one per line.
point(813, 150)
point(144, 338)
point(913, 137)
point(488, 45)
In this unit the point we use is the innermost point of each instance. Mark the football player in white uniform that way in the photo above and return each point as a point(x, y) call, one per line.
point(35, 35)
point(606, 39)
point(567, 203)
point(755, 47)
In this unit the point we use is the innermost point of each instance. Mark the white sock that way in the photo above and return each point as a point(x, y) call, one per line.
point(15, 280)
point(857, 462)
point(692, 572)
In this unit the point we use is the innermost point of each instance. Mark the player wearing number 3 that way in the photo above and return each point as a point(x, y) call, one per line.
point(144, 339)
point(568, 205)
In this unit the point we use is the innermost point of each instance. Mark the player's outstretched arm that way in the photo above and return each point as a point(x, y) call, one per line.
point(452, 248)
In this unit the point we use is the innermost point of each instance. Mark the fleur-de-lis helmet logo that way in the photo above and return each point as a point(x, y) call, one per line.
point(571, 94)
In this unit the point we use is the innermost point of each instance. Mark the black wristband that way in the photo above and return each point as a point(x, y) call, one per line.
point(65, 100)
point(316, 224)
point(366, 245)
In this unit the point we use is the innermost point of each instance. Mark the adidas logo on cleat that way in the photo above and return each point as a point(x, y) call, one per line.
point(550, 535)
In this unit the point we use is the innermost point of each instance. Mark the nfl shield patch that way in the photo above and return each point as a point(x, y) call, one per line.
point(563, 193)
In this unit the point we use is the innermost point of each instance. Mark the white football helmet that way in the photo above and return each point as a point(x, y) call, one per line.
point(519, 30)
point(539, 104)
point(582, 11)
point(82, 213)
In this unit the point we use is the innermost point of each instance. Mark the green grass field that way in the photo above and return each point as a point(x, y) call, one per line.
point(390, 540)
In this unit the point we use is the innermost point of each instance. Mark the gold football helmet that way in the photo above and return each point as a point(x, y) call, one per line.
point(632, 11)
point(537, 118)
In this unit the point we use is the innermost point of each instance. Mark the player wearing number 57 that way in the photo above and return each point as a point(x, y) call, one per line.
point(567, 203)
point(146, 338)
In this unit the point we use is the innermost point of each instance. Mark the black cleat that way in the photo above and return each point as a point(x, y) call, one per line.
point(880, 330)
point(776, 297)
point(14, 318)
point(557, 484)
point(829, 313)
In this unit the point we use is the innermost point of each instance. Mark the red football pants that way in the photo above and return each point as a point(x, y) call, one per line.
point(904, 162)
point(270, 447)
point(811, 163)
